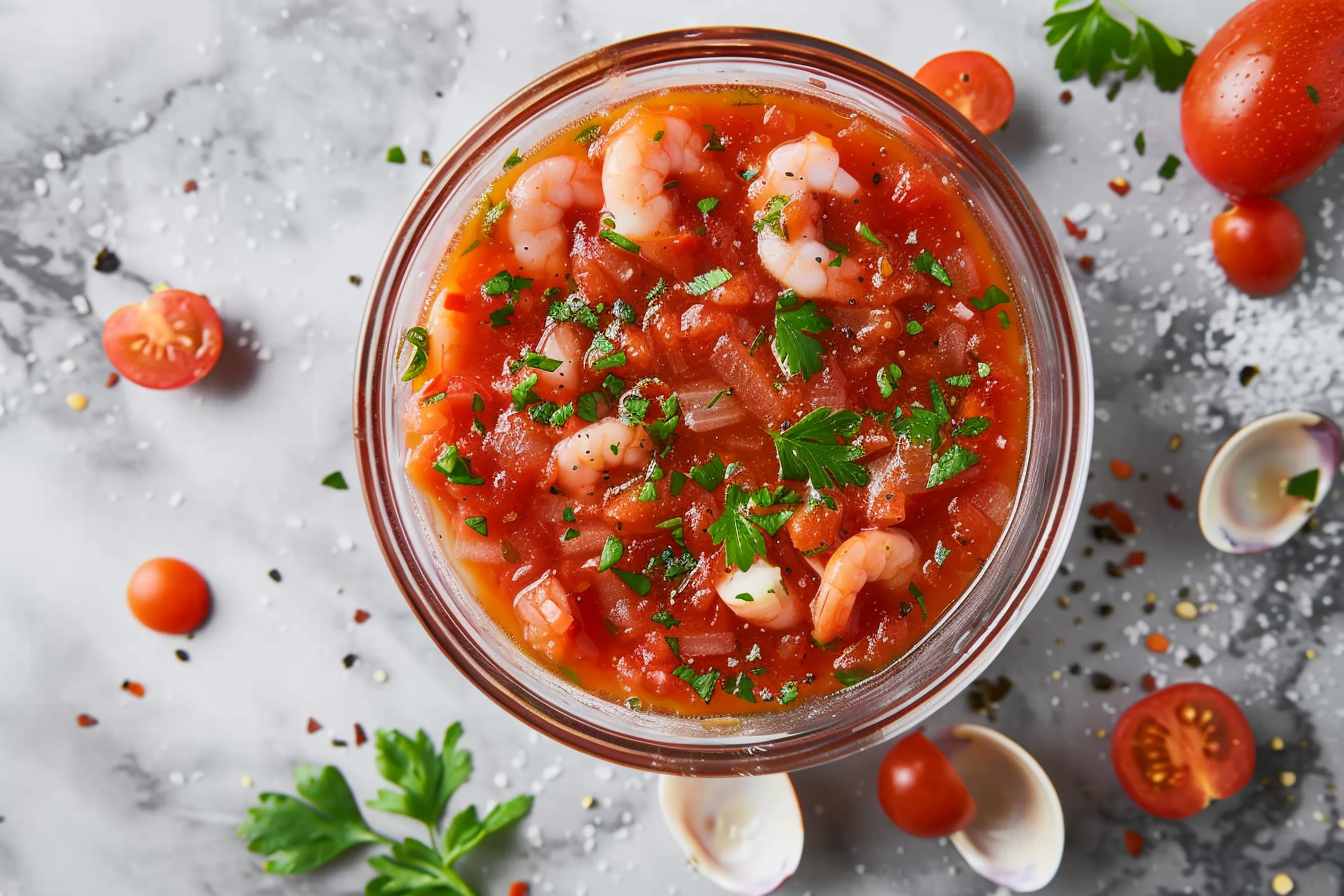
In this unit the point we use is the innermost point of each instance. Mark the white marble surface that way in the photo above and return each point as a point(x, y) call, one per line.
point(282, 112)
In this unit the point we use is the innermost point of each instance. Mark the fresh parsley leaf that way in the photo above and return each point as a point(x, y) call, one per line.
point(701, 684)
point(465, 833)
point(1093, 41)
point(707, 205)
point(570, 534)
point(574, 308)
point(548, 413)
point(676, 482)
point(1303, 485)
point(971, 427)
point(870, 236)
point(1313, 95)
point(771, 217)
point(1169, 166)
point(742, 541)
point(513, 159)
point(624, 311)
point(457, 468)
point(588, 134)
point(298, 836)
point(993, 296)
point(478, 523)
point(925, 424)
point(417, 338)
point(788, 692)
point(714, 144)
point(961, 380)
point(492, 216)
point(1140, 143)
point(335, 480)
point(585, 406)
point(925, 263)
point(522, 392)
point(913, 327)
point(658, 289)
point(739, 685)
point(622, 242)
point(666, 619)
point(708, 281)
point(426, 778)
point(636, 582)
point(632, 408)
point(505, 283)
point(848, 677)
point(749, 174)
point(954, 460)
point(708, 475)
point(675, 525)
point(647, 492)
point(500, 316)
point(568, 514)
point(816, 449)
point(1004, 322)
point(612, 552)
point(535, 360)
point(396, 156)
point(887, 379)
point(1167, 57)
point(940, 553)
point(796, 350)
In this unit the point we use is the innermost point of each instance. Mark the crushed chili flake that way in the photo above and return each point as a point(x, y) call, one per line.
point(1157, 642)
point(112, 379)
point(519, 888)
point(1109, 510)
point(1136, 558)
point(1073, 230)
point(1087, 263)
point(133, 687)
point(314, 725)
point(1174, 501)
point(1148, 683)
point(189, 187)
point(360, 737)
point(1119, 186)
point(1121, 469)
point(1066, 97)
point(85, 720)
point(361, 617)
point(1134, 843)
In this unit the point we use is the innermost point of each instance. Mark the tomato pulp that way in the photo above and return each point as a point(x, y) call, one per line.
point(1177, 750)
point(645, 448)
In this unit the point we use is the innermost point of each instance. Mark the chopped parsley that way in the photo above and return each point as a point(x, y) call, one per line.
point(1140, 143)
point(478, 523)
point(574, 308)
point(658, 289)
point(870, 236)
point(993, 296)
point(1169, 166)
point(1313, 95)
point(771, 217)
point(796, 350)
point(456, 467)
point(925, 263)
point(913, 327)
point(1303, 485)
point(585, 406)
point(788, 692)
point(658, 136)
point(961, 380)
point(523, 394)
point(612, 552)
point(971, 427)
point(675, 525)
point(567, 514)
point(749, 174)
point(505, 283)
point(417, 337)
point(919, 598)
point(396, 156)
point(513, 159)
point(954, 460)
point(742, 541)
point(940, 553)
point(492, 216)
point(816, 449)
point(672, 564)
point(925, 424)
point(739, 685)
point(708, 281)
point(548, 413)
point(588, 134)
point(532, 359)
point(622, 242)
point(701, 684)
point(636, 582)
point(335, 480)
point(676, 482)
point(500, 316)
point(714, 144)
point(717, 395)
point(1004, 322)
point(1092, 41)
point(624, 311)
point(666, 619)
point(571, 533)
point(887, 379)
point(848, 677)
point(707, 205)
point(433, 399)
point(708, 475)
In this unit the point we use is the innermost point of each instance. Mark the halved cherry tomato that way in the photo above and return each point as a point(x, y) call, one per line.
point(1260, 244)
point(168, 596)
point(170, 340)
point(921, 792)
point(973, 83)
point(1177, 750)
point(1263, 105)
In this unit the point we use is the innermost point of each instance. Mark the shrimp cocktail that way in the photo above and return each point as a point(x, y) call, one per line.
point(720, 399)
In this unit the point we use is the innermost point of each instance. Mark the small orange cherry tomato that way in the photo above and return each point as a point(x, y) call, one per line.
point(168, 596)
point(973, 83)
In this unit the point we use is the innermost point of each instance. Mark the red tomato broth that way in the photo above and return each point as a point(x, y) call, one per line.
point(696, 346)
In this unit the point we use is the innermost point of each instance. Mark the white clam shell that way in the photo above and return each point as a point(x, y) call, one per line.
point(744, 834)
point(1242, 505)
point(1017, 838)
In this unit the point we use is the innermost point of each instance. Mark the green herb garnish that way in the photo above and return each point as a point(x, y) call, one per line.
point(417, 337)
point(870, 236)
point(954, 460)
point(612, 551)
point(961, 380)
point(913, 327)
point(1093, 41)
point(513, 159)
point(1303, 485)
point(739, 685)
point(588, 134)
point(993, 296)
point(666, 619)
point(919, 597)
point(708, 475)
point(796, 350)
point(887, 379)
point(771, 218)
point(335, 480)
point(788, 692)
point(848, 677)
point(619, 241)
point(457, 468)
point(396, 156)
point(1169, 166)
point(701, 684)
point(925, 263)
point(707, 205)
point(1313, 95)
point(492, 216)
point(478, 523)
point(636, 582)
point(816, 449)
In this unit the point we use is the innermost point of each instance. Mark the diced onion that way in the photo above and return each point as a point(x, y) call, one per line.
point(996, 501)
point(707, 644)
point(700, 417)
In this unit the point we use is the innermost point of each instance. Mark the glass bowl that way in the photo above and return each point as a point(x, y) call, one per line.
point(967, 637)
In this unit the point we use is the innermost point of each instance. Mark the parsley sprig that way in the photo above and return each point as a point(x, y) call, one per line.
point(818, 449)
point(1093, 41)
point(742, 532)
point(797, 351)
point(300, 834)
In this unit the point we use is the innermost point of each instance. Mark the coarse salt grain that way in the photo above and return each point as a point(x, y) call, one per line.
point(379, 676)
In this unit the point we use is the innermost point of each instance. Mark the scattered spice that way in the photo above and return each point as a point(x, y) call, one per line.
point(106, 261)
point(1157, 642)
point(1066, 97)
point(274, 574)
point(379, 676)
point(355, 279)
point(360, 737)
point(1174, 444)
point(1114, 570)
point(1287, 779)
point(349, 660)
point(133, 688)
point(85, 720)
point(1109, 510)
point(314, 725)
point(112, 379)
point(1102, 682)
point(1087, 263)
point(1121, 469)
point(587, 802)
point(1105, 610)
point(245, 780)
point(1148, 683)
point(1119, 186)
point(1185, 610)
point(1193, 661)
point(1282, 884)
point(1174, 501)
point(425, 158)
point(1248, 373)
point(1097, 646)
point(338, 742)
point(1135, 558)
point(189, 187)
point(1064, 603)
point(1134, 843)
point(1108, 534)
point(361, 617)
point(985, 695)
point(1073, 230)
point(77, 401)
point(1276, 744)
point(182, 656)
point(519, 888)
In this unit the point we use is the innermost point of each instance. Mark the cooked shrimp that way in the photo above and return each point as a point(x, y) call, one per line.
point(538, 202)
point(549, 618)
point(581, 461)
point(759, 595)
point(890, 556)
point(799, 170)
point(564, 343)
point(645, 150)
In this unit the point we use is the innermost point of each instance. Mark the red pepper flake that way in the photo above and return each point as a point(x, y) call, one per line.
point(1119, 186)
point(1174, 501)
point(314, 725)
point(1134, 843)
point(189, 187)
point(1087, 263)
point(1157, 642)
point(85, 720)
point(1074, 230)
point(1116, 515)
point(112, 379)
point(519, 888)
point(1066, 97)
point(133, 687)
point(361, 617)
point(1136, 558)
point(360, 737)
point(1148, 683)
point(1121, 469)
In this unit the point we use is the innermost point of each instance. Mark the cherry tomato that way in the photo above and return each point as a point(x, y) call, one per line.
point(921, 792)
point(1260, 244)
point(1264, 103)
point(168, 596)
point(1178, 749)
point(973, 83)
point(170, 340)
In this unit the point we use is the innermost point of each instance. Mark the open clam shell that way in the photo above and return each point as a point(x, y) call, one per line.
point(744, 834)
point(1017, 837)
point(1244, 503)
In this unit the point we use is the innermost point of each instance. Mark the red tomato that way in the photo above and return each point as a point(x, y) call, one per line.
point(1260, 244)
point(1264, 103)
point(1177, 750)
point(973, 83)
point(168, 596)
point(170, 340)
point(921, 792)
